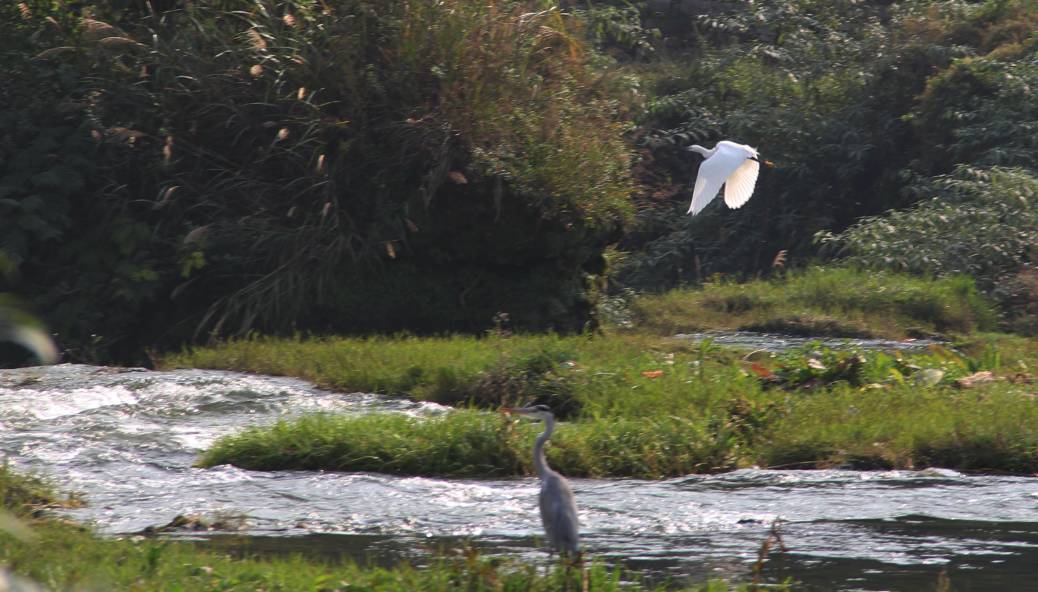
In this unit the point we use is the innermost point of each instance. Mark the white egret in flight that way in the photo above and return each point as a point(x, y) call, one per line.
point(17, 327)
point(730, 164)
point(558, 510)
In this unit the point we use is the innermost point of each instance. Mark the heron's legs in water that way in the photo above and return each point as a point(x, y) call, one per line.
point(568, 563)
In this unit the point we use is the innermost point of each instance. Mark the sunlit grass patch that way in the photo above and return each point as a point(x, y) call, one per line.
point(822, 301)
point(576, 375)
point(469, 443)
point(25, 493)
point(894, 421)
point(994, 429)
point(433, 367)
point(637, 405)
point(656, 408)
point(644, 405)
point(456, 444)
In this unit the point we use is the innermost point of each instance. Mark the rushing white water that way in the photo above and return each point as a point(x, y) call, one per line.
point(127, 439)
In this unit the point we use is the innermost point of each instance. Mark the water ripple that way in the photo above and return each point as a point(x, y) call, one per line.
point(127, 438)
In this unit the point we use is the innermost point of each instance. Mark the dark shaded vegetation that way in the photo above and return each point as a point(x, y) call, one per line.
point(864, 107)
point(172, 172)
point(352, 165)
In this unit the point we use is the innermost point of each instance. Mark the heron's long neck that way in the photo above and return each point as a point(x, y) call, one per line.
point(539, 460)
point(706, 153)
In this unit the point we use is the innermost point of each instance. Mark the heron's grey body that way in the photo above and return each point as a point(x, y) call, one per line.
point(558, 510)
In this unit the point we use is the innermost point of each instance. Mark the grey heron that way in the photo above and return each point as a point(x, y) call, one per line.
point(558, 510)
point(730, 164)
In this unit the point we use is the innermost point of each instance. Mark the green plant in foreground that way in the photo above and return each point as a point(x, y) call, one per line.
point(66, 557)
point(25, 494)
point(815, 366)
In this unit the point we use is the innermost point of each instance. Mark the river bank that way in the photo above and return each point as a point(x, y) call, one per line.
point(635, 403)
point(58, 554)
point(127, 441)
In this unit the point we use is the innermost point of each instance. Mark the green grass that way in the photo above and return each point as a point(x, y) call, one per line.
point(64, 556)
point(822, 301)
point(636, 404)
point(975, 430)
point(575, 374)
point(469, 443)
point(24, 494)
point(708, 411)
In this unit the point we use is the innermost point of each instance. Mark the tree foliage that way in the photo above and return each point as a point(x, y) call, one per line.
point(856, 103)
point(174, 169)
point(277, 165)
point(982, 223)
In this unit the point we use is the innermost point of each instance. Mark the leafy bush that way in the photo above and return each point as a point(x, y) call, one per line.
point(284, 165)
point(84, 266)
point(979, 222)
point(981, 111)
point(854, 102)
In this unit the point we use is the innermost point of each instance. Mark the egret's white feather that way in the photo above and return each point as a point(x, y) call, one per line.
point(729, 164)
point(712, 174)
point(739, 186)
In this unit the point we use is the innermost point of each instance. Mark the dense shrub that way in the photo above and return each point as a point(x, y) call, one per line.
point(361, 165)
point(854, 102)
point(979, 222)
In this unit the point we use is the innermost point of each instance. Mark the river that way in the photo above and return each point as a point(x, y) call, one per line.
point(127, 439)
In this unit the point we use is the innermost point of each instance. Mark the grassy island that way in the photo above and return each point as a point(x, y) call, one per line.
point(638, 403)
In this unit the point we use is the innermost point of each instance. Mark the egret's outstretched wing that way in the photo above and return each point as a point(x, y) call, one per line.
point(712, 174)
point(739, 187)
